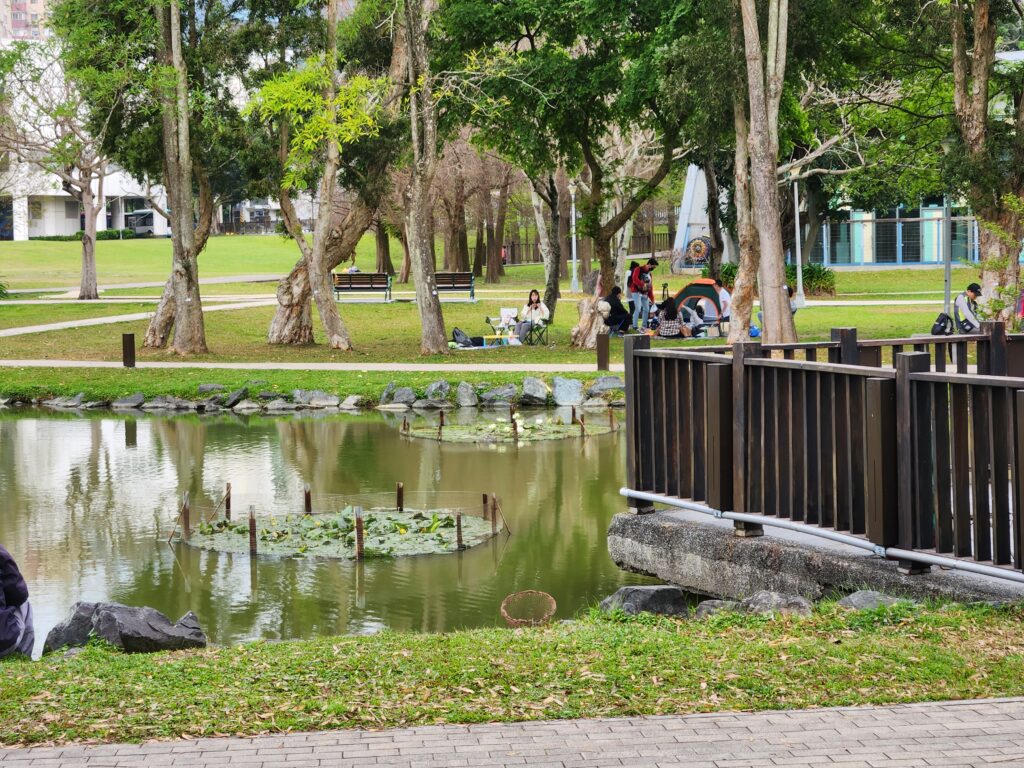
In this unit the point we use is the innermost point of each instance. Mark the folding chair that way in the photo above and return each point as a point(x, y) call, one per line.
point(538, 334)
point(505, 322)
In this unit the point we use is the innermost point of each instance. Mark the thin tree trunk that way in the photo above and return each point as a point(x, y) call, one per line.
point(714, 221)
point(499, 224)
point(480, 250)
point(88, 288)
point(493, 252)
point(746, 275)
point(403, 275)
point(383, 242)
point(547, 239)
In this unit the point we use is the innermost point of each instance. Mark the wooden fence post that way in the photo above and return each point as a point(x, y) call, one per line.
point(883, 469)
point(847, 353)
point(400, 496)
point(307, 499)
point(906, 364)
point(634, 344)
point(252, 530)
point(740, 352)
point(992, 349)
point(227, 502)
point(719, 437)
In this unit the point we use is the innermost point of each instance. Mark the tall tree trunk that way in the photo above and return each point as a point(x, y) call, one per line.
point(419, 213)
point(383, 242)
point(999, 249)
point(714, 221)
point(499, 223)
point(493, 251)
point(564, 219)
point(746, 275)
point(479, 253)
point(764, 86)
point(815, 210)
point(88, 288)
point(547, 238)
point(403, 275)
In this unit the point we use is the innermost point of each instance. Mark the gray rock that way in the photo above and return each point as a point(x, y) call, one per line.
point(465, 395)
point(65, 402)
point(132, 401)
point(867, 600)
point(425, 404)
point(404, 396)
point(180, 404)
point(94, 405)
point(247, 406)
point(711, 607)
point(280, 405)
point(158, 403)
point(205, 389)
point(663, 599)
point(302, 396)
point(619, 403)
point(438, 390)
point(210, 407)
point(133, 630)
point(4, 401)
point(504, 393)
point(765, 602)
point(324, 400)
point(567, 391)
point(535, 392)
point(388, 394)
point(606, 384)
point(596, 403)
point(236, 397)
point(268, 395)
point(393, 407)
point(352, 402)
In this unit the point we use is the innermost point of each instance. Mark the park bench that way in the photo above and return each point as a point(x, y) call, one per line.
point(457, 281)
point(361, 282)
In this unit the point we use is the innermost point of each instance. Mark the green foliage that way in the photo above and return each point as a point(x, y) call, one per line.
point(3, 290)
point(819, 280)
point(106, 234)
point(726, 273)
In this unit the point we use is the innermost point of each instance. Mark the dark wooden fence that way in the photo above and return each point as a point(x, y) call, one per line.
point(911, 457)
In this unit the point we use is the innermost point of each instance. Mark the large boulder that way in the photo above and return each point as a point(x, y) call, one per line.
point(247, 406)
point(126, 403)
point(465, 395)
point(388, 393)
point(662, 599)
point(352, 403)
point(425, 404)
point(506, 393)
point(438, 390)
point(867, 600)
point(606, 384)
point(765, 602)
point(403, 396)
point(65, 402)
point(535, 392)
point(711, 607)
point(567, 391)
point(280, 405)
point(236, 397)
point(133, 630)
point(320, 399)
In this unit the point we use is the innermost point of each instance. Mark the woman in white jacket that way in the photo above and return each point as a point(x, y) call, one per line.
point(534, 312)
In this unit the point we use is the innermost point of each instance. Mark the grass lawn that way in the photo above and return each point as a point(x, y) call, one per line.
point(20, 315)
point(897, 281)
point(595, 667)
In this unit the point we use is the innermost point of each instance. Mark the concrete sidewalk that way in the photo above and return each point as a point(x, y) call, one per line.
point(969, 734)
point(407, 367)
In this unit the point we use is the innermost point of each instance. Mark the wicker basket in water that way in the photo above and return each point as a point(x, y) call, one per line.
point(530, 608)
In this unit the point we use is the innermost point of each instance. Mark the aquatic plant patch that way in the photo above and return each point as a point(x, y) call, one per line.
point(524, 430)
point(386, 533)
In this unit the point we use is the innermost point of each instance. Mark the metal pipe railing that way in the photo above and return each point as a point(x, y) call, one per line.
point(891, 553)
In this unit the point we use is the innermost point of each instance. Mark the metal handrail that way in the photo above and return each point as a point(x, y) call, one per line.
point(890, 553)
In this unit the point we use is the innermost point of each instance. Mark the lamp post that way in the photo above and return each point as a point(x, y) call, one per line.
point(799, 300)
point(574, 285)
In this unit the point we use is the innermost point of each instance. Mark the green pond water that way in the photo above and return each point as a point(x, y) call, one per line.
point(87, 503)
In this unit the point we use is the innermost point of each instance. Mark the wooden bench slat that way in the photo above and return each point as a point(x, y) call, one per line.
point(361, 281)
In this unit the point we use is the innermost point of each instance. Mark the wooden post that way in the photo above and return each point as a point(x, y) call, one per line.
point(405, 424)
point(227, 502)
point(487, 514)
point(359, 533)
point(740, 353)
point(128, 349)
point(512, 418)
point(612, 423)
point(458, 530)
point(603, 352)
point(847, 354)
point(632, 345)
point(440, 423)
point(494, 512)
point(583, 425)
point(906, 364)
point(307, 499)
point(719, 437)
point(400, 496)
point(992, 349)
point(252, 530)
point(186, 511)
point(883, 470)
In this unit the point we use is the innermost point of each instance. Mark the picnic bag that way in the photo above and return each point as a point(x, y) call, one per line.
point(943, 325)
point(459, 337)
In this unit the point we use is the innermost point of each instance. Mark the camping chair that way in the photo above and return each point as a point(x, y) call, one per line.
point(538, 334)
point(505, 320)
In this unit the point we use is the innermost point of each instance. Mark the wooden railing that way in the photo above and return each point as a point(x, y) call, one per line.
point(910, 458)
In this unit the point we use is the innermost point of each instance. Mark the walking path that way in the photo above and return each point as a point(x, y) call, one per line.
point(969, 734)
point(361, 367)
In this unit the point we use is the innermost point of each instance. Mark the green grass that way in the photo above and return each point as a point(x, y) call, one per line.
point(19, 315)
point(899, 281)
point(596, 667)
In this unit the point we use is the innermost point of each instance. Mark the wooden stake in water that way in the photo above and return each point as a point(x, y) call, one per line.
point(583, 426)
point(494, 514)
point(186, 511)
point(252, 530)
point(405, 424)
point(400, 496)
point(458, 530)
point(307, 498)
point(486, 507)
point(573, 415)
point(440, 424)
point(359, 533)
point(512, 417)
point(611, 419)
point(227, 502)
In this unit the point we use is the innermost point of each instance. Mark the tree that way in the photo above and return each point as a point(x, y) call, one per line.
point(44, 123)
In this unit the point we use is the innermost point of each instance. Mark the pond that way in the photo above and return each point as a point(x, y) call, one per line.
point(88, 503)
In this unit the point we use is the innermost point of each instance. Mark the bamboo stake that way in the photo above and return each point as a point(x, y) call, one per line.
point(359, 533)
point(227, 502)
point(252, 530)
point(458, 530)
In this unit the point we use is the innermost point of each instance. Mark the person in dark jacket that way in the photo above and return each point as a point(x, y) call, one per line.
point(618, 316)
point(16, 632)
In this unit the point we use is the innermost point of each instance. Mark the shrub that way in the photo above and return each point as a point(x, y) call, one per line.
point(819, 280)
point(106, 234)
point(726, 273)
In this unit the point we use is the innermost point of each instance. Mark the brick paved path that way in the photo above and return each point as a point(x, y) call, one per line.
point(972, 733)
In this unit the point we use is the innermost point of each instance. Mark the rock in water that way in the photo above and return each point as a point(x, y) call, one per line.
point(403, 396)
point(352, 403)
point(867, 600)
point(132, 401)
point(465, 395)
point(765, 602)
point(319, 399)
point(438, 390)
point(236, 397)
point(388, 393)
point(606, 384)
point(662, 599)
point(711, 607)
point(535, 392)
point(567, 391)
point(133, 630)
point(506, 393)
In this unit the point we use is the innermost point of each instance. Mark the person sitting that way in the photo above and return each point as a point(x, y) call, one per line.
point(534, 313)
point(17, 634)
point(965, 310)
point(724, 300)
point(616, 316)
point(669, 324)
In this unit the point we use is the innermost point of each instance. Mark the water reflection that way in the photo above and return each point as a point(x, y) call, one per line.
point(89, 501)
